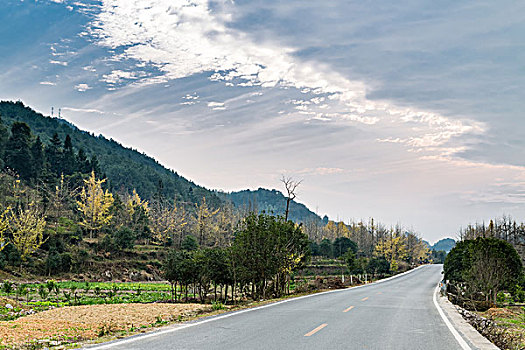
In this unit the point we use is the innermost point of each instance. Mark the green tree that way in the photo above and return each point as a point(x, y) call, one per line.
point(38, 159)
point(341, 245)
point(4, 135)
point(484, 265)
point(189, 243)
point(326, 248)
point(18, 150)
point(54, 155)
point(68, 157)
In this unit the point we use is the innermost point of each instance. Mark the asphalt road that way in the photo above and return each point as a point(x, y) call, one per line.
point(395, 314)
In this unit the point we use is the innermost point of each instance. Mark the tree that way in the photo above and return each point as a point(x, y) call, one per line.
point(458, 262)
point(189, 243)
point(349, 258)
point(68, 157)
point(291, 187)
point(27, 230)
point(167, 222)
point(172, 270)
point(137, 210)
point(18, 150)
point(38, 159)
point(4, 135)
point(204, 225)
point(341, 245)
point(393, 249)
point(326, 248)
point(94, 204)
point(485, 265)
point(267, 248)
point(54, 155)
point(4, 226)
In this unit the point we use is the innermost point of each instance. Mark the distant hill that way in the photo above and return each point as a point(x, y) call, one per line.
point(271, 201)
point(445, 244)
point(124, 167)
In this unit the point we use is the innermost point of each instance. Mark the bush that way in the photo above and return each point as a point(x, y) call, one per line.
point(124, 238)
point(484, 266)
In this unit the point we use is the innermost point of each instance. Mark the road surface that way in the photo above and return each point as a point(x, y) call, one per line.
point(395, 314)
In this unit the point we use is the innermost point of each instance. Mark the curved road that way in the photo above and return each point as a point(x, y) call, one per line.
point(395, 314)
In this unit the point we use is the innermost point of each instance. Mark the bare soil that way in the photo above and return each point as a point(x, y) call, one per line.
point(79, 323)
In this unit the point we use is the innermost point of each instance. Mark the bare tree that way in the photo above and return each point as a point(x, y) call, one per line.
point(291, 186)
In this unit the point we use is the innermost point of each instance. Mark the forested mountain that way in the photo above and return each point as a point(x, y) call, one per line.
point(445, 244)
point(125, 168)
point(272, 202)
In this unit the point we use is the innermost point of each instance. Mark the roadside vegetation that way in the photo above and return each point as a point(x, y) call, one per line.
point(484, 275)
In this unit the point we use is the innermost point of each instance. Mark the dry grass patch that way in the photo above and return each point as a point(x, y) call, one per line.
point(75, 323)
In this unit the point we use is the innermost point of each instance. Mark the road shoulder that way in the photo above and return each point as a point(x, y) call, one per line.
point(468, 333)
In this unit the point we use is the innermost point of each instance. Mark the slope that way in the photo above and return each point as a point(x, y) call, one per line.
point(124, 167)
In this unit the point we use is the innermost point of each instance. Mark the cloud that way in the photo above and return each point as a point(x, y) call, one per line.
point(216, 106)
point(61, 63)
point(47, 83)
point(82, 110)
point(82, 87)
point(120, 76)
point(182, 38)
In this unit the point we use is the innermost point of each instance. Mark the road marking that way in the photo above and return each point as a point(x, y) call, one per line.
point(364, 299)
point(453, 330)
point(312, 332)
point(170, 329)
point(350, 308)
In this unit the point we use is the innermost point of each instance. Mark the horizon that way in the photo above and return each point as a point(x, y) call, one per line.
point(407, 114)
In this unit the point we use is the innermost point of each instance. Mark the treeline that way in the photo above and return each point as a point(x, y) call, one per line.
point(505, 228)
point(258, 264)
point(487, 263)
point(41, 164)
point(400, 247)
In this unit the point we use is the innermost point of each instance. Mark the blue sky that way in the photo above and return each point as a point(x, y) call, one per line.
point(409, 112)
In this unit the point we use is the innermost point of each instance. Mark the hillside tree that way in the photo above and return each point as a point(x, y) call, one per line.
point(94, 204)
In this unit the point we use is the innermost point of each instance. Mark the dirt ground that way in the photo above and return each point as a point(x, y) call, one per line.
point(75, 323)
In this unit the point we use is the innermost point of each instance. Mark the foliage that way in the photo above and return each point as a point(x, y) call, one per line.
point(484, 265)
point(94, 204)
point(27, 228)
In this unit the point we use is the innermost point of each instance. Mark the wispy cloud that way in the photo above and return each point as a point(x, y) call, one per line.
point(47, 83)
point(82, 110)
point(61, 63)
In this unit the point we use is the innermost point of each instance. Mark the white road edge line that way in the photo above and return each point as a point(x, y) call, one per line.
point(453, 330)
point(188, 325)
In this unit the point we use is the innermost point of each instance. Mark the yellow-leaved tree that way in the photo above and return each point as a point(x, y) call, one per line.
point(27, 230)
point(393, 248)
point(137, 210)
point(167, 222)
point(4, 225)
point(94, 204)
point(204, 227)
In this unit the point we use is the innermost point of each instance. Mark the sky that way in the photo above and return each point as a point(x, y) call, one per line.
point(409, 112)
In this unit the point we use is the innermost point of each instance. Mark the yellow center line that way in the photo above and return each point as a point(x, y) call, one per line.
point(350, 308)
point(364, 299)
point(312, 332)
